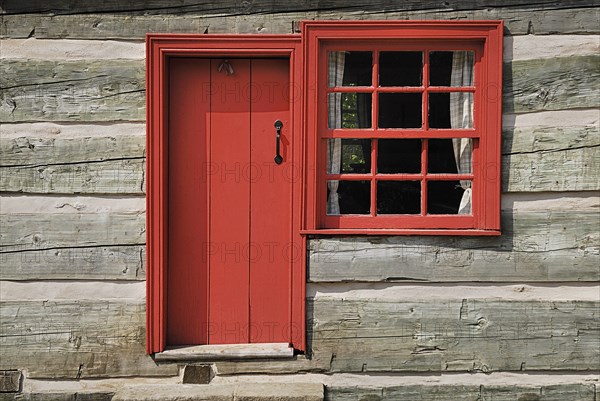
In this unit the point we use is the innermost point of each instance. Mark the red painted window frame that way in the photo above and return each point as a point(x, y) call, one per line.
point(320, 36)
point(159, 47)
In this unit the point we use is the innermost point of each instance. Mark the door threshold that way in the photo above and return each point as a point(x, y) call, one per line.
point(221, 352)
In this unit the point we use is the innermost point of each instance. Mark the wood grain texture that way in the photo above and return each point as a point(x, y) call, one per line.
point(60, 396)
point(551, 84)
point(31, 232)
point(90, 90)
point(126, 262)
point(73, 339)
point(75, 245)
point(445, 335)
point(531, 155)
point(111, 164)
point(114, 164)
point(233, 7)
point(474, 392)
point(107, 177)
point(299, 364)
point(535, 246)
point(114, 90)
point(540, 21)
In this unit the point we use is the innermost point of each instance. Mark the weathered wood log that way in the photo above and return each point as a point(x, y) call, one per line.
point(72, 90)
point(73, 339)
point(531, 156)
point(134, 26)
point(60, 396)
point(109, 177)
point(47, 161)
point(551, 84)
point(36, 150)
point(72, 238)
point(233, 7)
point(114, 163)
point(393, 333)
point(534, 246)
point(300, 364)
point(34, 232)
point(473, 392)
point(114, 90)
point(127, 262)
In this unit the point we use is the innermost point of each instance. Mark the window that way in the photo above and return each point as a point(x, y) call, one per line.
point(403, 124)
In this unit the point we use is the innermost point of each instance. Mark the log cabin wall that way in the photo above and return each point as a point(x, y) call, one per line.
point(402, 317)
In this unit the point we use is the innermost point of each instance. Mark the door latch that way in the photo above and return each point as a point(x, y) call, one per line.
point(278, 126)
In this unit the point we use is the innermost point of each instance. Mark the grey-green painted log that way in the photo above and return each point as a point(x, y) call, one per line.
point(134, 26)
point(73, 339)
point(452, 335)
point(534, 246)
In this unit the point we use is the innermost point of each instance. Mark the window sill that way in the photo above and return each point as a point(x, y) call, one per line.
point(358, 231)
point(225, 352)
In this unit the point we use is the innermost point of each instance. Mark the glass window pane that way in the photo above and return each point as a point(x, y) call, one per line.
point(448, 197)
point(352, 197)
point(349, 110)
point(451, 110)
point(400, 110)
point(350, 68)
point(398, 197)
point(451, 68)
point(400, 68)
point(398, 156)
point(348, 156)
point(450, 156)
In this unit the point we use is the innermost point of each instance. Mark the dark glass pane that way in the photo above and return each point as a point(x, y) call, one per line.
point(443, 105)
point(398, 156)
point(354, 196)
point(398, 197)
point(443, 197)
point(349, 110)
point(348, 156)
point(400, 110)
point(357, 68)
point(400, 69)
point(439, 110)
point(441, 156)
point(440, 68)
point(451, 68)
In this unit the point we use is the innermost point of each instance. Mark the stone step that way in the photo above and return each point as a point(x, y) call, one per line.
point(223, 392)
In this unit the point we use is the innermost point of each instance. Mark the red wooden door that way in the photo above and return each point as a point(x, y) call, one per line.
point(230, 205)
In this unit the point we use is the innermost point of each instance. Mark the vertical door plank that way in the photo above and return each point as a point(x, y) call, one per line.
point(270, 204)
point(229, 199)
point(187, 284)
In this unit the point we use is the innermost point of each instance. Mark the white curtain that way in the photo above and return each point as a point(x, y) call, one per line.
point(336, 62)
point(461, 116)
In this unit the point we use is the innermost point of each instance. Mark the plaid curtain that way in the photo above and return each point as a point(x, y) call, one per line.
point(335, 69)
point(461, 116)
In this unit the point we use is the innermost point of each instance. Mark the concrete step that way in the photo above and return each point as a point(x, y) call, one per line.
point(223, 392)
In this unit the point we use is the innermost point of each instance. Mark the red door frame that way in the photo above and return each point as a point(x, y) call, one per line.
point(159, 47)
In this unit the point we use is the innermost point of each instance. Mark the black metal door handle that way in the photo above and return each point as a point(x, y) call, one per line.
point(278, 126)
